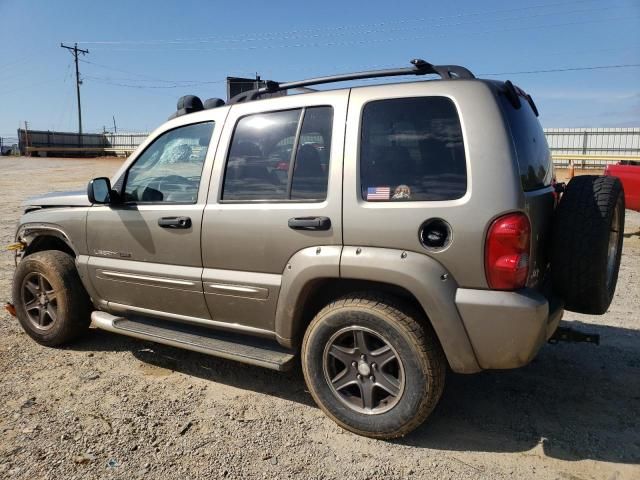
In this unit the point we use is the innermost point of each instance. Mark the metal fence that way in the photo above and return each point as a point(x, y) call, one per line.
point(593, 147)
point(47, 142)
point(126, 140)
point(585, 147)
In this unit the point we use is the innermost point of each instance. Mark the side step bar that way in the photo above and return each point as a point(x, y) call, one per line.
point(242, 348)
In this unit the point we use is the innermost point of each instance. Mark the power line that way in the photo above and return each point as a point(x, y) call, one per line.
point(427, 25)
point(147, 78)
point(116, 69)
point(527, 72)
point(367, 42)
point(331, 29)
point(346, 32)
point(141, 80)
point(23, 86)
point(570, 69)
point(67, 102)
point(128, 85)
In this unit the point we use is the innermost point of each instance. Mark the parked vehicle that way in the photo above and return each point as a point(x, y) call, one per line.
point(628, 171)
point(415, 229)
point(9, 150)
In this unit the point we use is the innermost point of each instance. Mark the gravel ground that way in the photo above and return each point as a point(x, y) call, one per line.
point(113, 407)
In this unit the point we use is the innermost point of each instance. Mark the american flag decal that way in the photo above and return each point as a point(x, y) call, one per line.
point(378, 193)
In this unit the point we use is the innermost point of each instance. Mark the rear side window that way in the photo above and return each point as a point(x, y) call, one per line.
point(534, 160)
point(411, 149)
point(280, 156)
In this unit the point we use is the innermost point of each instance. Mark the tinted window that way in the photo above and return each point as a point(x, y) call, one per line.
point(534, 159)
point(311, 169)
point(259, 164)
point(169, 170)
point(412, 149)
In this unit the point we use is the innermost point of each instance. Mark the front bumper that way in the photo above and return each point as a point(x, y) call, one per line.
point(506, 329)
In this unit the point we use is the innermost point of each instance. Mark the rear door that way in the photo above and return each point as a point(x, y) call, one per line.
point(276, 190)
point(145, 251)
point(406, 166)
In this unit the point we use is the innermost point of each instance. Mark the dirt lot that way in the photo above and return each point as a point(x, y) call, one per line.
point(113, 407)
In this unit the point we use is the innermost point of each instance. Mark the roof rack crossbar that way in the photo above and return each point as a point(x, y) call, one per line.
point(420, 67)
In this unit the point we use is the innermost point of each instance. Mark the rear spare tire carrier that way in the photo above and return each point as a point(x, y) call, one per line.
point(587, 243)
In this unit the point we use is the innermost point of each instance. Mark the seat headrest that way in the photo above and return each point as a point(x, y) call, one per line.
point(308, 162)
point(245, 149)
point(213, 103)
point(190, 103)
point(187, 104)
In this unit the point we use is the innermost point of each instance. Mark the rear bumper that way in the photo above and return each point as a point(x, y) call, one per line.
point(506, 329)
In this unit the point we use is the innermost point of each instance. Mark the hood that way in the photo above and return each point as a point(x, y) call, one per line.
point(59, 199)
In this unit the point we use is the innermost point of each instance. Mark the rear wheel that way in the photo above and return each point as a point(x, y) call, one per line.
point(587, 243)
point(51, 303)
point(373, 365)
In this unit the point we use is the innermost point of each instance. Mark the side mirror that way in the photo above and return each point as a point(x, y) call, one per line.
point(99, 190)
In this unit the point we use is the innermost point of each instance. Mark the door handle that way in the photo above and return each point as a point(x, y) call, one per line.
point(310, 223)
point(174, 222)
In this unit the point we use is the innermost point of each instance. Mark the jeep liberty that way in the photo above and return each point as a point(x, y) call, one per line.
point(380, 235)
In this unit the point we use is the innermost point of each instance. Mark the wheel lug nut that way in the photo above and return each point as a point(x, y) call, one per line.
point(359, 377)
point(363, 356)
point(372, 378)
point(373, 365)
point(354, 364)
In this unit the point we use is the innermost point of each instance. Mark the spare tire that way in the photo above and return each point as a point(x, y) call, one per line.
point(587, 243)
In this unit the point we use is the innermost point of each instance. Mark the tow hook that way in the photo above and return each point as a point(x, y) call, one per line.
point(568, 334)
point(17, 246)
point(11, 308)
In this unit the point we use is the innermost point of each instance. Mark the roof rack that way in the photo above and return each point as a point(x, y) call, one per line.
point(420, 67)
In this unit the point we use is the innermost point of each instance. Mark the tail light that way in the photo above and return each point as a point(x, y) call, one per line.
point(507, 252)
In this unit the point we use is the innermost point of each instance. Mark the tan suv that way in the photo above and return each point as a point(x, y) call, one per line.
point(386, 233)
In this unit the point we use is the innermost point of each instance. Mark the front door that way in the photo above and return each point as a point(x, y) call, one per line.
point(145, 251)
point(276, 192)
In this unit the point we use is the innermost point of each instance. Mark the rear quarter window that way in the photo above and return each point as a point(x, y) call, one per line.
point(534, 159)
point(411, 149)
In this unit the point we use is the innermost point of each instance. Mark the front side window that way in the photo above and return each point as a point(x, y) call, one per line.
point(412, 149)
point(280, 156)
point(169, 170)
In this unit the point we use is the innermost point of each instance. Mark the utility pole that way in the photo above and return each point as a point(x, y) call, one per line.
point(26, 139)
point(75, 51)
point(115, 129)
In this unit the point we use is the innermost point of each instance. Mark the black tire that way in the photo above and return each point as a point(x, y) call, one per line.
point(587, 243)
point(66, 297)
point(409, 336)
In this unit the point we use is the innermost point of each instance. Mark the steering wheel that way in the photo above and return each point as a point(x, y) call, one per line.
point(170, 182)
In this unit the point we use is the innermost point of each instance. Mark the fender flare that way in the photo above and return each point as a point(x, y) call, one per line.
point(302, 270)
point(28, 232)
point(425, 278)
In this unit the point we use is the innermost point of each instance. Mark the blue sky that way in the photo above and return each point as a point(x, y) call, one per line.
point(145, 54)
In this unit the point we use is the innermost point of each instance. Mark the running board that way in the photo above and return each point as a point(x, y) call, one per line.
point(242, 348)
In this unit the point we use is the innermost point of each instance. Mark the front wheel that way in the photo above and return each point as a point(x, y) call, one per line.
point(51, 303)
point(373, 365)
